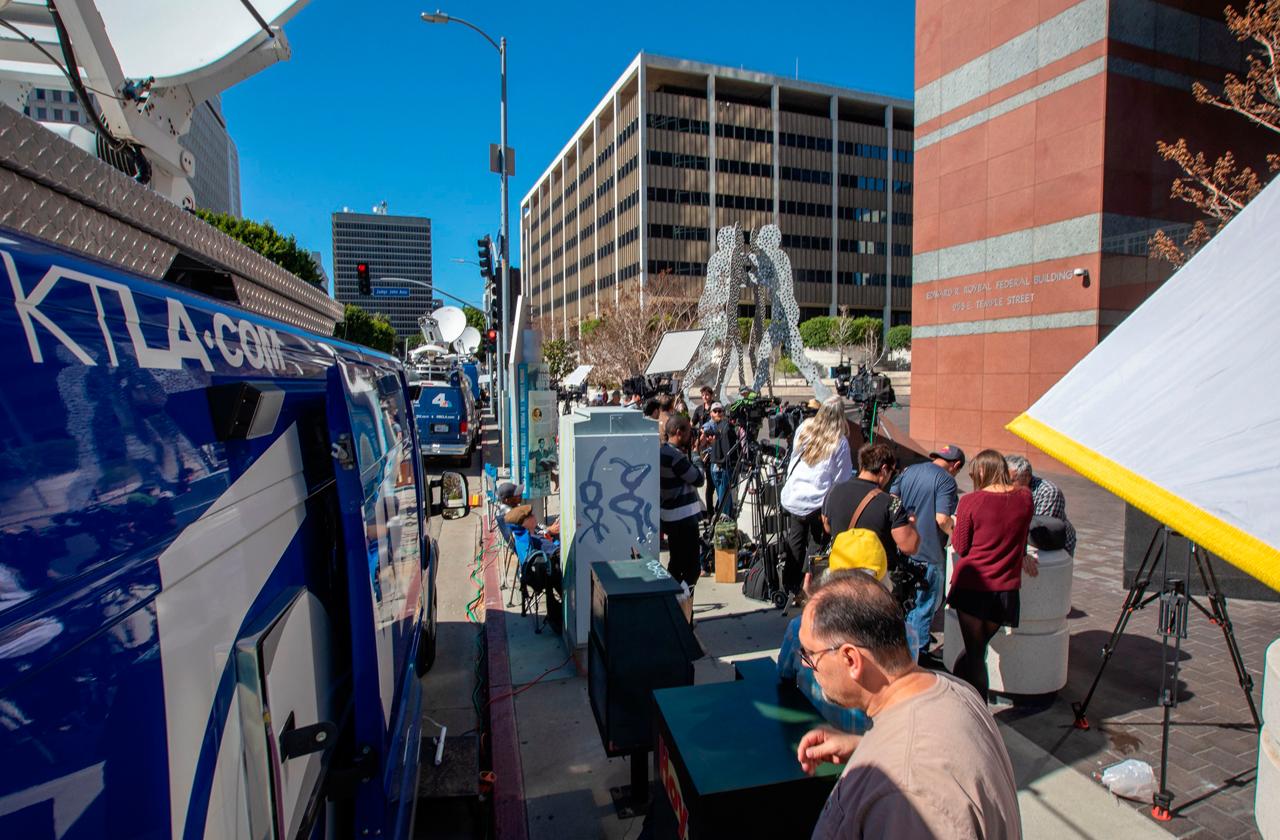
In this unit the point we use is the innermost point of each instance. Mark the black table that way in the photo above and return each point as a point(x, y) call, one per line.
point(725, 760)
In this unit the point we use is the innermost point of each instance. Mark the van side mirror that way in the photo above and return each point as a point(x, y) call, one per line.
point(454, 501)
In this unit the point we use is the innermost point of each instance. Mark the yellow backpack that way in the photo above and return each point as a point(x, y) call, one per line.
point(860, 548)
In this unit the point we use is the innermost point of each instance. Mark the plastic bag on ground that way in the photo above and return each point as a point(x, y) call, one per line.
point(1132, 779)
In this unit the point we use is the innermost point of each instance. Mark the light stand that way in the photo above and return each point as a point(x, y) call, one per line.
point(1175, 597)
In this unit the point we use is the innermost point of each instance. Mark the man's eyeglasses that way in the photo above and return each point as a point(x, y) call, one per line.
point(810, 657)
point(717, 411)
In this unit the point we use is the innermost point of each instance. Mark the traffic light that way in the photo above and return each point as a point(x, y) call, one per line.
point(491, 340)
point(484, 254)
point(362, 275)
point(495, 308)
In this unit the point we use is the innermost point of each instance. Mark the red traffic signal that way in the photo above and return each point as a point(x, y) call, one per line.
point(362, 276)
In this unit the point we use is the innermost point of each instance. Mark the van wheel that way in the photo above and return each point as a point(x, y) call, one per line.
point(427, 644)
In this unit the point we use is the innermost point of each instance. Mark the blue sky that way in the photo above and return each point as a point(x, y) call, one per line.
point(376, 105)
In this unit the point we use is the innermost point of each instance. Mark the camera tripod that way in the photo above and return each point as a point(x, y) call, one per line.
point(753, 474)
point(1175, 598)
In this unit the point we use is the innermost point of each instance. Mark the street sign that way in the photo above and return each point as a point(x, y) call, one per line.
point(496, 166)
point(391, 291)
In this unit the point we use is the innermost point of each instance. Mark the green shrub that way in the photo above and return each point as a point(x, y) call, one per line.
point(816, 332)
point(900, 337)
point(785, 366)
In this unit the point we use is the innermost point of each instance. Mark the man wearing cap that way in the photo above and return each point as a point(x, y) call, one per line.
point(509, 495)
point(521, 516)
point(510, 500)
point(928, 491)
point(724, 455)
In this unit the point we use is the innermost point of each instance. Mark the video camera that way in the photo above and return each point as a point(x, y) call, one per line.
point(751, 409)
point(651, 386)
point(784, 424)
point(866, 386)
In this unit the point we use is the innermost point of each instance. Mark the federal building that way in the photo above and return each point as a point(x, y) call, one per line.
point(677, 149)
point(1038, 187)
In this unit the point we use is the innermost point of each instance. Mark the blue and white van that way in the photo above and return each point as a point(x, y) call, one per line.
point(446, 415)
point(217, 590)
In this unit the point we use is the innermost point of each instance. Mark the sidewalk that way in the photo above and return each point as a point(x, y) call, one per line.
point(567, 777)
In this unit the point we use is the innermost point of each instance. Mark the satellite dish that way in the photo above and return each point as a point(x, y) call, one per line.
point(469, 340)
point(451, 321)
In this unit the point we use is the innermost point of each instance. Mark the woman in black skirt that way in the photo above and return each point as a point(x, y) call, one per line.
point(990, 539)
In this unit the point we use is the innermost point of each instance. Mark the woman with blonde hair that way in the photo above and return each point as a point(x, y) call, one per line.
point(819, 460)
point(990, 539)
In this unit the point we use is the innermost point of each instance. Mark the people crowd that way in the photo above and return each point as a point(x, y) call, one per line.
point(924, 748)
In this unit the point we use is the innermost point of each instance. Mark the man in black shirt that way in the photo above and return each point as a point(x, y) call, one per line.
point(701, 414)
point(884, 514)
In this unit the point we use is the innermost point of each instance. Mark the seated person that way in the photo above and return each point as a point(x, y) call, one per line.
point(790, 669)
point(508, 495)
point(540, 539)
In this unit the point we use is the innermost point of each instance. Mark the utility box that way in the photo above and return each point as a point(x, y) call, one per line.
point(640, 640)
point(608, 501)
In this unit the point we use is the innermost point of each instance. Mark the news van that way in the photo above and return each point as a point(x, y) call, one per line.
point(217, 587)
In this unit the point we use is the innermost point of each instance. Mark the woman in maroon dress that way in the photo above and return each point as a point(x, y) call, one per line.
point(990, 539)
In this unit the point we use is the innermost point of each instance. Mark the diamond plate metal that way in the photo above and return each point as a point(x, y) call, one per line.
point(30, 152)
point(36, 210)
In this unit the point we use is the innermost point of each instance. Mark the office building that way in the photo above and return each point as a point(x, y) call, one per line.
point(325, 282)
point(1036, 130)
point(394, 247)
point(217, 181)
point(677, 149)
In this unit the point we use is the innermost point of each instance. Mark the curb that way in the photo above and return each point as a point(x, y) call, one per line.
point(509, 815)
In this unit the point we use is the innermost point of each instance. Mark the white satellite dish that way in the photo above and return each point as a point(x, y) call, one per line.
point(578, 376)
point(469, 341)
point(452, 321)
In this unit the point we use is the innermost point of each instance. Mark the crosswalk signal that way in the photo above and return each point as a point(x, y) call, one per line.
point(362, 275)
point(484, 254)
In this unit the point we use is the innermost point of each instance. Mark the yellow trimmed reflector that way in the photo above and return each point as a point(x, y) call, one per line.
point(1237, 547)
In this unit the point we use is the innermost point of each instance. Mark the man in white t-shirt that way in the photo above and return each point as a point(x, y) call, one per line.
point(933, 763)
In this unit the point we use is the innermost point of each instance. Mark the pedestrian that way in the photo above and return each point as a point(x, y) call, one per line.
point(929, 493)
point(933, 763)
point(845, 509)
point(680, 406)
point(701, 414)
point(665, 401)
point(990, 539)
point(819, 460)
point(615, 398)
point(724, 455)
point(679, 477)
point(1046, 498)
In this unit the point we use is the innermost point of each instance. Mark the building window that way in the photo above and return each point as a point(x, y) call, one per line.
point(57, 96)
point(71, 97)
point(40, 93)
point(74, 116)
point(42, 114)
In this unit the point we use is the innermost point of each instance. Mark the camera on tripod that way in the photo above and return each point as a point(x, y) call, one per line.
point(751, 409)
point(651, 386)
point(866, 386)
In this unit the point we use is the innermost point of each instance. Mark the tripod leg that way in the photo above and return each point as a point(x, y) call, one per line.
point(1173, 621)
point(1218, 602)
point(1132, 601)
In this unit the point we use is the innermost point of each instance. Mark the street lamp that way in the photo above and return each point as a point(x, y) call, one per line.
point(506, 419)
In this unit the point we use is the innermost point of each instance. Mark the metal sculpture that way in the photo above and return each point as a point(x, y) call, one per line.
point(765, 269)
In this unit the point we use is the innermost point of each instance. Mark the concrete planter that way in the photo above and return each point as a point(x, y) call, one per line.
point(1266, 803)
point(1031, 658)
